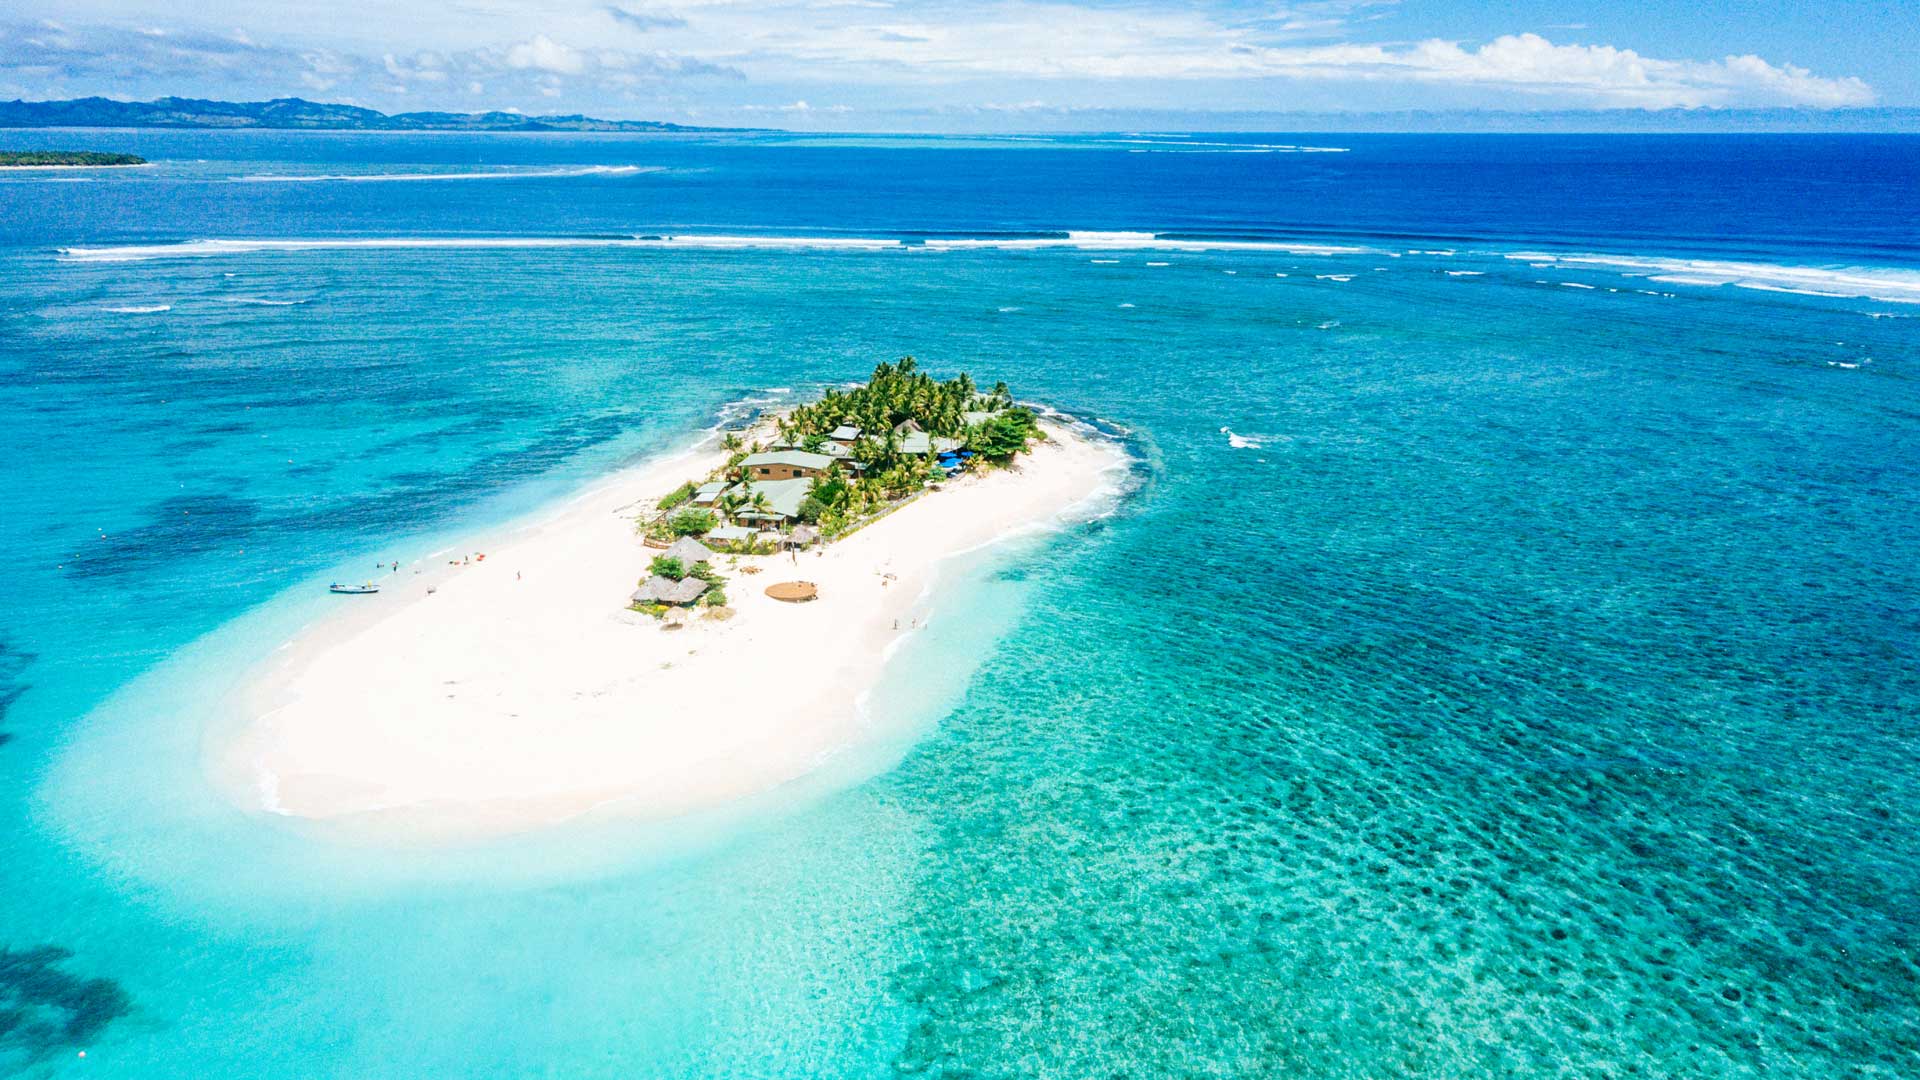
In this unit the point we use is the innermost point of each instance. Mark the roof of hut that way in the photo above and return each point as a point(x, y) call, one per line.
point(689, 551)
point(660, 589)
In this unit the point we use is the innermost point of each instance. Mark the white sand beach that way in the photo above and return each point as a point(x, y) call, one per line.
point(521, 692)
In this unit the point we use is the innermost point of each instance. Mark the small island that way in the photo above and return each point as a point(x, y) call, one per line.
point(55, 159)
point(480, 694)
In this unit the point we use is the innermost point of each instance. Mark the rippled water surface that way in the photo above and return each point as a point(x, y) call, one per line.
point(1496, 666)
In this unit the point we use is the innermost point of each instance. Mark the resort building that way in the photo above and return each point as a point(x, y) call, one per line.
point(783, 498)
point(845, 435)
point(786, 465)
point(920, 444)
point(708, 493)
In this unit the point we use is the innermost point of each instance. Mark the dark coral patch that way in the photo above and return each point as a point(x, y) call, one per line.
point(45, 1009)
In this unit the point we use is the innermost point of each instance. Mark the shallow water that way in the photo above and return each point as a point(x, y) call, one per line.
point(1522, 685)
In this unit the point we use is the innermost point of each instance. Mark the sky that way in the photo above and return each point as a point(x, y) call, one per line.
point(872, 65)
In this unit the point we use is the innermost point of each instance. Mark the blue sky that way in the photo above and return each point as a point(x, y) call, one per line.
point(974, 64)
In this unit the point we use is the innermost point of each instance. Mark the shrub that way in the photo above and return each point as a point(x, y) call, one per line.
point(678, 495)
point(692, 523)
point(667, 567)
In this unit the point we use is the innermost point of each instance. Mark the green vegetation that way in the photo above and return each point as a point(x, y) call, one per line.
point(66, 157)
point(678, 495)
point(898, 405)
point(1004, 434)
point(667, 567)
point(693, 523)
point(907, 420)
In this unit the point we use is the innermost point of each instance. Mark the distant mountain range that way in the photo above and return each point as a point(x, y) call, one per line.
point(291, 114)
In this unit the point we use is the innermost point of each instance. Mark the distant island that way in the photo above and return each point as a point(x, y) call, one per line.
point(38, 159)
point(293, 114)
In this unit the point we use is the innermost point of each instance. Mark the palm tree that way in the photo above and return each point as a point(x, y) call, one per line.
point(761, 504)
point(731, 504)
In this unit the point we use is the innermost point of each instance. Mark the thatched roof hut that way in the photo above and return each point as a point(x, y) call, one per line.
point(660, 589)
point(689, 551)
point(802, 535)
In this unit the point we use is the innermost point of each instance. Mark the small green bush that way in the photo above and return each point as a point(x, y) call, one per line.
point(693, 523)
point(678, 495)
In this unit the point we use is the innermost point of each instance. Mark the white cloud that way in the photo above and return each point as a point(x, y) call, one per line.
point(545, 54)
point(1057, 41)
point(878, 53)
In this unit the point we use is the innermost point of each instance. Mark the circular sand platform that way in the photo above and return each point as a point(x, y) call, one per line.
point(794, 592)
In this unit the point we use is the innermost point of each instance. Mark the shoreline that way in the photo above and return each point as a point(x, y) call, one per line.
point(521, 693)
point(45, 168)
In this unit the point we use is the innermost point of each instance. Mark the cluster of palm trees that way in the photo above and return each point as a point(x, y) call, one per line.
point(899, 398)
point(897, 393)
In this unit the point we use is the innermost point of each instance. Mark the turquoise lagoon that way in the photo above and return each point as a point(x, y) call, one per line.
point(1492, 666)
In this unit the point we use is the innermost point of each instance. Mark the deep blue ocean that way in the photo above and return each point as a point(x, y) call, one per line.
point(1502, 661)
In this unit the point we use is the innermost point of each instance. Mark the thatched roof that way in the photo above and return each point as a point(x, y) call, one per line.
point(794, 592)
point(802, 535)
point(689, 551)
point(660, 589)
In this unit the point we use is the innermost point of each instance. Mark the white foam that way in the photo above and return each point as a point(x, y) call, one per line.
point(1095, 241)
point(1575, 285)
point(1464, 273)
point(1333, 277)
point(502, 174)
point(134, 309)
point(1244, 442)
point(1190, 146)
point(1889, 284)
point(257, 301)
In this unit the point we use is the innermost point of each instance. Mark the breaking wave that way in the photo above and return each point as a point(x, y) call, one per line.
point(1077, 240)
point(501, 174)
point(1876, 283)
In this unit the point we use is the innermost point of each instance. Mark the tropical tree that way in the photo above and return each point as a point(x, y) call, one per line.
point(692, 522)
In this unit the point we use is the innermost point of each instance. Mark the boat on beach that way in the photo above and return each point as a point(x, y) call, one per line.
point(364, 589)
